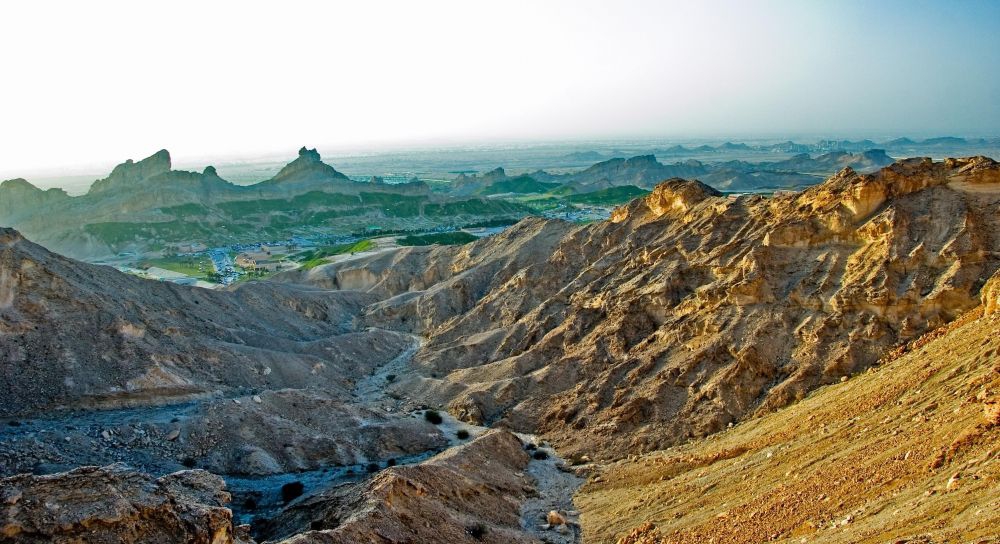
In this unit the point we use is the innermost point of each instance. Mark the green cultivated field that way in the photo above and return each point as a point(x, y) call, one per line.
point(312, 259)
point(194, 266)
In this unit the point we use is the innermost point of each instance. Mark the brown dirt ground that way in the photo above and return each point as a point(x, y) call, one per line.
point(906, 452)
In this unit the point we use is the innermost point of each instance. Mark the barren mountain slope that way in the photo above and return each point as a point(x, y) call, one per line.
point(78, 335)
point(906, 452)
point(688, 310)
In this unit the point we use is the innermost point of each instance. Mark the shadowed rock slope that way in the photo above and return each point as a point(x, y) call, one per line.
point(906, 452)
point(687, 311)
point(76, 335)
point(468, 494)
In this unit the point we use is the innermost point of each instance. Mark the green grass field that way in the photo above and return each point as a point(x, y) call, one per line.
point(312, 259)
point(194, 266)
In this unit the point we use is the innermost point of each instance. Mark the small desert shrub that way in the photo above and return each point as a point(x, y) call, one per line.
point(531, 446)
point(390, 463)
point(292, 490)
point(578, 459)
point(462, 434)
point(250, 504)
point(390, 378)
point(189, 462)
point(372, 467)
point(540, 455)
point(477, 531)
point(433, 416)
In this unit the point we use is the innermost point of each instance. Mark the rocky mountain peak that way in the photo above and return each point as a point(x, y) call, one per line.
point(18, 196)
point(863, 194)
point(875, 155)
point(641, 159)
point(495, 174)
point(976, 169)
point(9, 236)
point(18, 184)
point(309, 154)
point(210, 171)
point(131, 172)
point(673, 196)
point(308, 166)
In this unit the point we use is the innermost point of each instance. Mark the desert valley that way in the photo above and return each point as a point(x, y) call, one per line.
point(578, 379)
point(558, 272)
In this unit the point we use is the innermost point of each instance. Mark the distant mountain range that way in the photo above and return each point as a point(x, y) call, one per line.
point(903, 145)
point(148, 202)
point(645, 172)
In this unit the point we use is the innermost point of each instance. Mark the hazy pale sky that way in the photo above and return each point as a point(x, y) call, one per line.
point(93, 82)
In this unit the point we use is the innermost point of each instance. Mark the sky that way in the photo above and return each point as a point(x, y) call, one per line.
point(95, 82)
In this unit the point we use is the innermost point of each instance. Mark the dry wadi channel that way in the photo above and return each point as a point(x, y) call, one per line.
point(375, 431)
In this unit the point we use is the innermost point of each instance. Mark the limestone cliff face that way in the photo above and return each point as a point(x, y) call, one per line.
point(688, 311)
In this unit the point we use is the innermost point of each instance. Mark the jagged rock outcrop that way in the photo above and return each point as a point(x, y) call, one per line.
point(116, 504)
point(308, 167)
point(471, 493)
point(689, 310)
point(131, 172)
point(675, 196)
point(18, 198)
point(469, 185)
